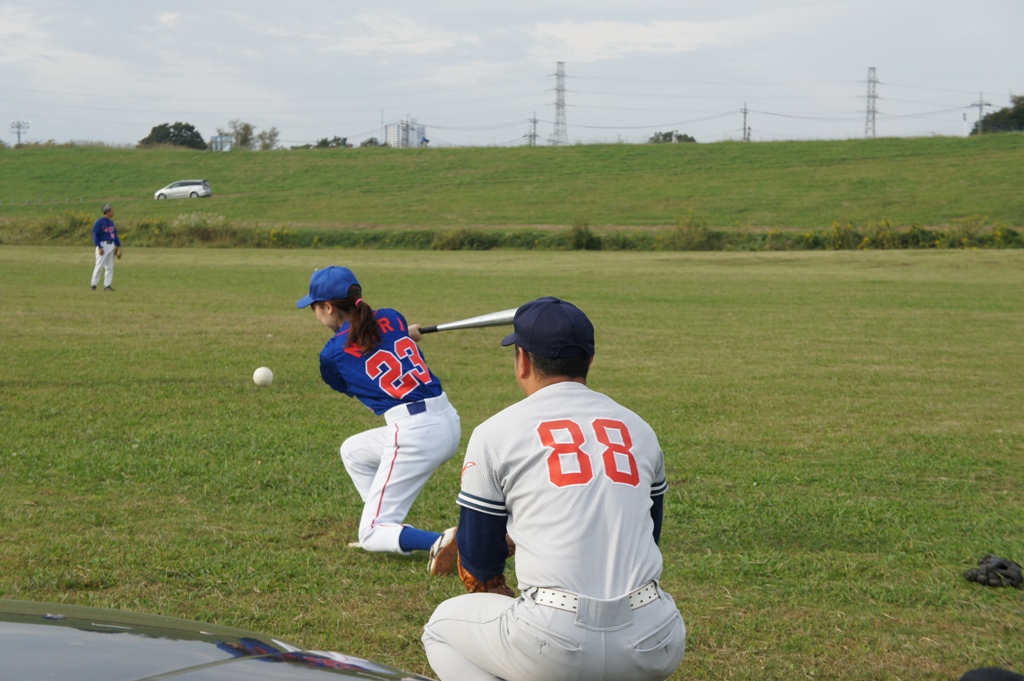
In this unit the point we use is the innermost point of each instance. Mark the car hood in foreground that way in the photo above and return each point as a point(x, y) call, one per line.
point(53, 641)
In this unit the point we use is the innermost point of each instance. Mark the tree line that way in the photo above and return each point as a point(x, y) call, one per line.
point(239, 135)
point(243, 136)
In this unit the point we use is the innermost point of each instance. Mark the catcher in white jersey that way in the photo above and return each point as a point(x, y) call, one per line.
point(575, 483)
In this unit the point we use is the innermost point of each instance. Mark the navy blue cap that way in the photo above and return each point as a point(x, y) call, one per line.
point(330, 283)
point(554, 328)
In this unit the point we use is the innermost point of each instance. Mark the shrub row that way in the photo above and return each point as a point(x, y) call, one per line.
point(210, 230)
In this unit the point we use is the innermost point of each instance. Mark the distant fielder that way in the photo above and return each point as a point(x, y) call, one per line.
point(108, 246)
point(373, 357)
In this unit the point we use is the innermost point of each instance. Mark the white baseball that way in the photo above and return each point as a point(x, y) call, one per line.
point(263, 376)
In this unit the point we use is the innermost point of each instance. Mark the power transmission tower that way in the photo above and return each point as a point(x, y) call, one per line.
point(532, 136)
point(869, 123)
point(746, 130)
point(981, 107)
point(561, 134)
point(18, 127)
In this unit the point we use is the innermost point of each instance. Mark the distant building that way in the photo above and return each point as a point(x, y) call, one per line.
point(220, 143)
point(405, 134)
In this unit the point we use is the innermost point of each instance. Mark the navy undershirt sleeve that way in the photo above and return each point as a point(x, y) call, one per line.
point(657, 512)
point(482, 545)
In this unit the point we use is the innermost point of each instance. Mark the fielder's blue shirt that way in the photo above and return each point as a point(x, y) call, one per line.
point(104, 230)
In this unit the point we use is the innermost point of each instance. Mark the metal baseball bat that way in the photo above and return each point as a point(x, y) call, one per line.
point(489, 319)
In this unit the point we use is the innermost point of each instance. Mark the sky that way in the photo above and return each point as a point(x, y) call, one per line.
point(485, 73)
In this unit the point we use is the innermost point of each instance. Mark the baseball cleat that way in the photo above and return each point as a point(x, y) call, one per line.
point(444, 554)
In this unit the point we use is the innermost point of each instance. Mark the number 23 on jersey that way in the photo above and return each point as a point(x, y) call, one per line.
point(569, 464)
point(385, 367)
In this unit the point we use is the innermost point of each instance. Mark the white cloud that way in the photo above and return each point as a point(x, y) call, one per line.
point(385, 33)
point(602, 40)
point(13, 24)
point(169, 19)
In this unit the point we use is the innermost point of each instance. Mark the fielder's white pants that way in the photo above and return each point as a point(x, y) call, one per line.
point(390, 466)
point(489, 637)
point(105, 263)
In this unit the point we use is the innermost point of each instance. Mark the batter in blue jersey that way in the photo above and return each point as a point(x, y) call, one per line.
point(393, 374)
point(373, 357)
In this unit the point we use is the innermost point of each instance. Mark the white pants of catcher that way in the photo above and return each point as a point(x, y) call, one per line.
point(104, 263)
point(390, 466)
point(489, 637)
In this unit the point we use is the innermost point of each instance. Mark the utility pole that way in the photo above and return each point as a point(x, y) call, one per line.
point(18, 127)
point(981, 107)
point(869, 122)
point(561, 134)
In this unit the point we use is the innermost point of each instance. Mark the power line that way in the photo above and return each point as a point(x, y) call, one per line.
point(658, 125)
point(18, 127)
point(981, 104)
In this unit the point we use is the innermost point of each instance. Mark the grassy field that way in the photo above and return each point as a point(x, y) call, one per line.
point(929, 182)
point(843, 432)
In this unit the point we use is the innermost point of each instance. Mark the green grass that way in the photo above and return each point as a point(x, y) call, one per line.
point(787, 185)
point(843, 433)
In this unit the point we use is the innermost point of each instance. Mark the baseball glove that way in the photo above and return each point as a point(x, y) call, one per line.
point(995, 571)
point(494, 585)
point(117, 252)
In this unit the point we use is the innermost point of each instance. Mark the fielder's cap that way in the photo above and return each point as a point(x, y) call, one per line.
point(330, 283)
point(107, 208)
point(554, 328)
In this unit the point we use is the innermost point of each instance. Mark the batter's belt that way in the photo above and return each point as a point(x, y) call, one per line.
point(563, 600)
point(407, 409)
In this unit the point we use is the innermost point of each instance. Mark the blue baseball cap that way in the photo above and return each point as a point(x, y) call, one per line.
point(330, 283)
point(554, 328)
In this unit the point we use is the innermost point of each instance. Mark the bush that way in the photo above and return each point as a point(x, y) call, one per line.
point(464, 240)
point(689, 234)
point(843, 237)
point(581, 238)
point(66, 228)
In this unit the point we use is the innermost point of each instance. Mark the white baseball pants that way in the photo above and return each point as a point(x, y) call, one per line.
point(104, 263)
point(390, 466)
point(489, 637)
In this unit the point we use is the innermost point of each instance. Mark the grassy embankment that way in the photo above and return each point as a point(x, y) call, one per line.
point(50, 195)
point(843, 434)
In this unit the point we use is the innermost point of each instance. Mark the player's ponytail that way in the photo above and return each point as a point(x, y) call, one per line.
point(363, 332)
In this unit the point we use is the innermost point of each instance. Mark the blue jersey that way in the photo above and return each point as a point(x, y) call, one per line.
point(390, 374)
point(104, 230)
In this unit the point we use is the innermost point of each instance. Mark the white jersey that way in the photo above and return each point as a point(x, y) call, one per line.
point(574, 471)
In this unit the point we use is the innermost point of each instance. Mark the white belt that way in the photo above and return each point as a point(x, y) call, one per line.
point(563, 600)
point(405, 410)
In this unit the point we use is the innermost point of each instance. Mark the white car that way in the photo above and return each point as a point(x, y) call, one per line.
point(184, 189)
